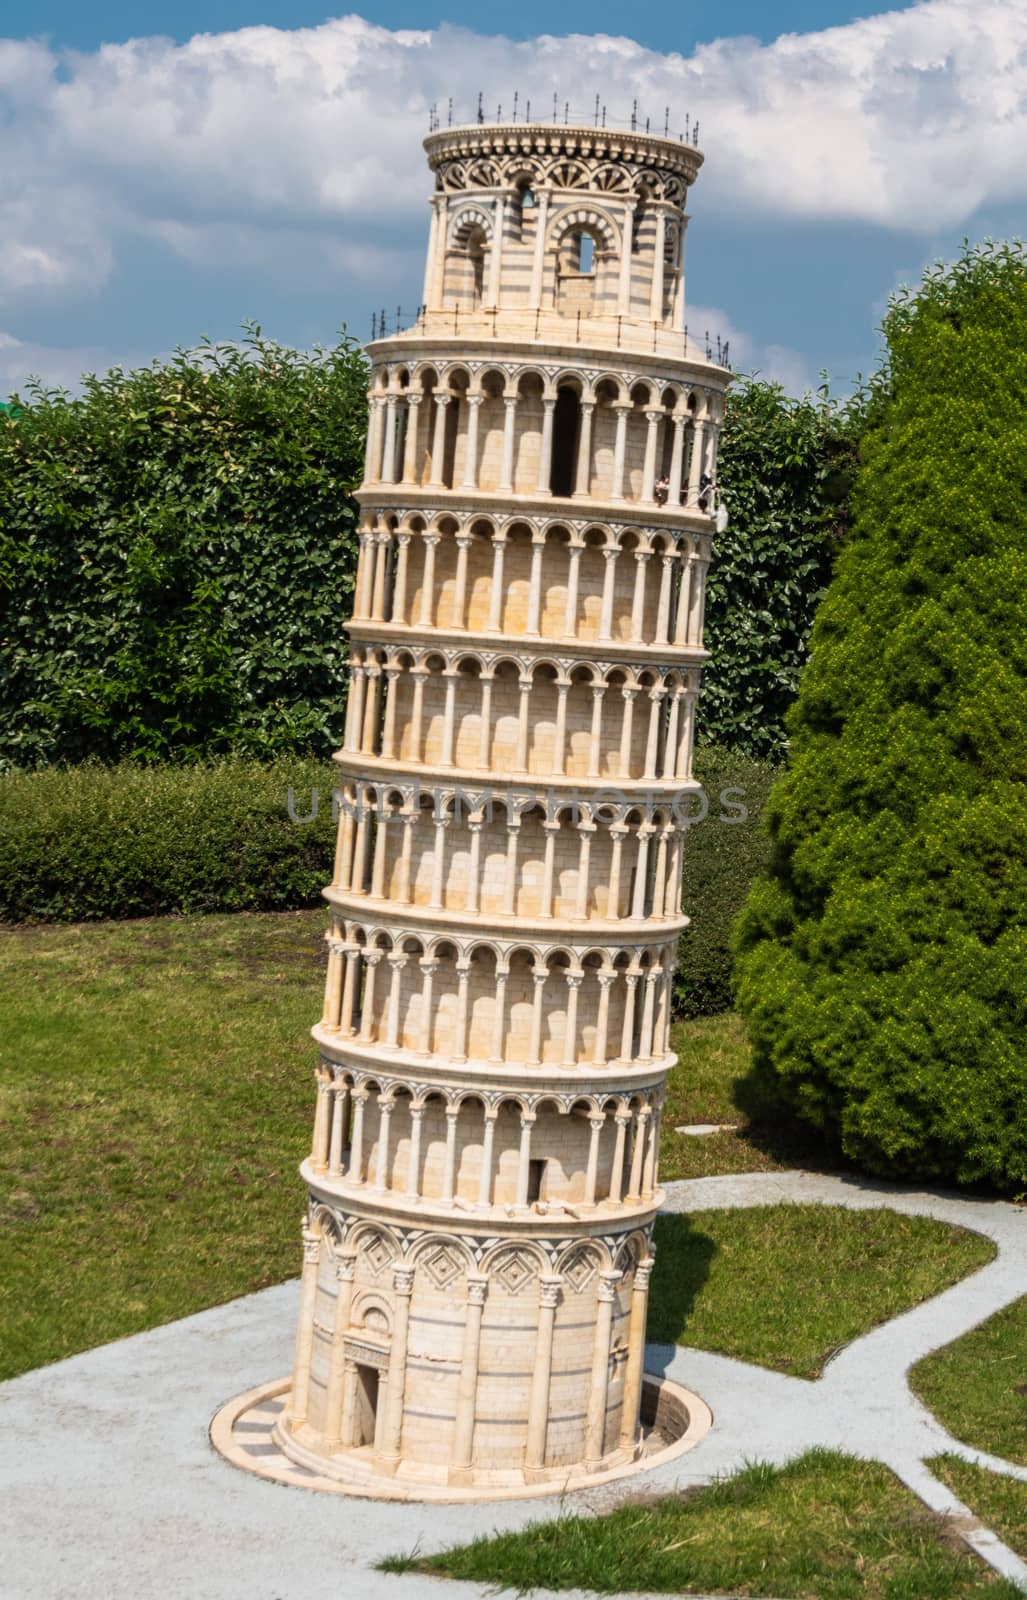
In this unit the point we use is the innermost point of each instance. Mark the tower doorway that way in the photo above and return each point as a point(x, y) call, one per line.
point(365, 1420)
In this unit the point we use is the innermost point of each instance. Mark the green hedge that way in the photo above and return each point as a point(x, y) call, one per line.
point(101, 842)
point(90, 842)
point(177, 550)
point(722, 860)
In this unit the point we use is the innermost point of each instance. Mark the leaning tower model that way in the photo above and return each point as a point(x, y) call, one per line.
point(525, 647)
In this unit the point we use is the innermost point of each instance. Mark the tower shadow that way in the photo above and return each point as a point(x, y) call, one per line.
point(771, 1126)
point(683, 1257)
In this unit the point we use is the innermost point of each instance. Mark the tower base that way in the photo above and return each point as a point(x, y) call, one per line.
point(250, 1432)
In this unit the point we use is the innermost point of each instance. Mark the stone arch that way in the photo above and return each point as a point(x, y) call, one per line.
point(615, 382)
point(481, 531)
point(372, 1312)
point(465, 219)
point(376, 1246)
point(515, 1268)
point(521, 961)
point(581, 1262)
point(426, 1248)
point(571, 377)
point(522, 176)
point(566, 431)
point(327, 1223)
point(631, 1251)
point(584, 677)
point(546, 678)
point(612, 178)
point(470, 244)
point(556, 539)
point(591, 578)
point(607, 391)
point(584, 219)
point(531, 388)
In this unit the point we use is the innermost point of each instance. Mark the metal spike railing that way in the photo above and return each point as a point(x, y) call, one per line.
point(626, 334)
point(598, 116)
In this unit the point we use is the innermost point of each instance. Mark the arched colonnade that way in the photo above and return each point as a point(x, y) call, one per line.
point(427, 1142)
point(371, 1289)
point(524, 431)
point(573, 862)
point(549, 234)
point(541, 580)
point(499, 1002)
point(513, 714)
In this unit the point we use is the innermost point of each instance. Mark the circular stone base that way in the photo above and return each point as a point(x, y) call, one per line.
point(245, 1432)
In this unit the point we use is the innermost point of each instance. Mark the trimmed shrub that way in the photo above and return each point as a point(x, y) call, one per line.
point(92, 842)
point(177, 551)
point(786, 469)
point(882, 961)
point(722, 859)
point(126, 841)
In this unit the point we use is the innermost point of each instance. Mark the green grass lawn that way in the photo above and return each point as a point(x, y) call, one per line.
point(156, 1093)
point(1000, 1502)
point(156, 1090)
point(712, 1083)
point(785, 1285)
point(977, 1386)
point(824, 1525)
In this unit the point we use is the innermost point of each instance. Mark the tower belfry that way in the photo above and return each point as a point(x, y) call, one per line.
point(525, 645)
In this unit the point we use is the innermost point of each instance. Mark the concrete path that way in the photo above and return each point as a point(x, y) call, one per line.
point(862, 1404)
point(109, 1487)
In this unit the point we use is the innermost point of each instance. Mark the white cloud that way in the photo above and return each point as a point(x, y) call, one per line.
point(54, 366)
point(777, 363)
point(302, 146)
point(319, 255)
point(780, 364)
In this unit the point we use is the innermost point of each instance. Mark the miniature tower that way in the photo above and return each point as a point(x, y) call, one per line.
point(526, 644)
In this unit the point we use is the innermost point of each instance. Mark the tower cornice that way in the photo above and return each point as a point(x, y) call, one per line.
point(616, 652)
point(375, 769)
point(551, 508)
point(483, 1226)
point(546, 138)
point(576, 935)
point(490, 1080)
point(505, 334)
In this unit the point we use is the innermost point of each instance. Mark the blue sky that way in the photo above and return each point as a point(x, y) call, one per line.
point(661, 27)
point(171, 170)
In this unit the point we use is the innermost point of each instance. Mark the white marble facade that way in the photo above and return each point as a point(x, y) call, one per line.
point(526, 645)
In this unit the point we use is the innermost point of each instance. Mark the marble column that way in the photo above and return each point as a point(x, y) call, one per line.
point(467, 1384)
point(299, 1398)
point(538, 1401)
point(345, 1271)
point(598, 1395)
point(631, 1398)
point(389, 1454)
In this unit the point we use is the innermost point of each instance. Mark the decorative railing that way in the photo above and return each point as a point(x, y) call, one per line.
point(561, 115)
point(615, 332)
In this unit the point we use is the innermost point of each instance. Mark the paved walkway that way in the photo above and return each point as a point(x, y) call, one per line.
point(863, 1403)
point(109, 1487)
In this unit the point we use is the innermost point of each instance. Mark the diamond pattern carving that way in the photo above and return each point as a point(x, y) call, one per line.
point(514, 1270)
point(581, 1268)
point(442, 1265)
point(377, 1254)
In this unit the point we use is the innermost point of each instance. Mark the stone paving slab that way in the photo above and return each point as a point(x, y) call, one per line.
point(110, 1489)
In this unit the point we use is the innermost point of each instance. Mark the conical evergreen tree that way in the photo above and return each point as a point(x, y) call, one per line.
point(882, 964)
